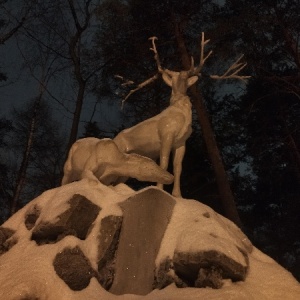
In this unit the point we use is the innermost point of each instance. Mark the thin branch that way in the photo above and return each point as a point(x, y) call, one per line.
point(24, 18)
point(140, 86)
point(203, 43)
point(126, 81)
point(8, 35)
point(79, 27)
point(148, 81)
point(156, 57)
point(74, 14)
point(39, 41)
point(203, 58)
point(87, 14)
point(233, 70)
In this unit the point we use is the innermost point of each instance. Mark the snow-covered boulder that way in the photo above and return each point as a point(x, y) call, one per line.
point(89, 241)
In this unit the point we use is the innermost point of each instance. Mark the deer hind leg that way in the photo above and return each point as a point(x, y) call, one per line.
point(89, 170)
point(167, 142)
point(67, 178)
point(177, 168)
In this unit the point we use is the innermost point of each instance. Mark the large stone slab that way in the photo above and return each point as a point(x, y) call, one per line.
point(145, 219)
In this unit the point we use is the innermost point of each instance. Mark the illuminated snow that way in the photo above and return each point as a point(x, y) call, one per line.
point(26, 269)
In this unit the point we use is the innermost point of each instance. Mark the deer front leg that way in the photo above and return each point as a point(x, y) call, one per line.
point(166, 146)
point(88, 174)
point(177, 168)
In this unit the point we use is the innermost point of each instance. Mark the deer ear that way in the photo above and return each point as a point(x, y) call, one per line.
point(167, 79)
point(192, 80)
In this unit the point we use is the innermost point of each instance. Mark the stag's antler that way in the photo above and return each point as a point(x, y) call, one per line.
point(156, 57)
point(231, 73)
point(140, 86)
point(203, 58)
point(126, 81)
point(149, 80)
point(153, 78)
point(233, 70)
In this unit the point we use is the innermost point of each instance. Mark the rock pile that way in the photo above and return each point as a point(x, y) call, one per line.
point(133, 245)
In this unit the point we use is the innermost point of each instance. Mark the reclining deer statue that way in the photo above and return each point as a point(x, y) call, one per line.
point(168, 131)
point(101, 160)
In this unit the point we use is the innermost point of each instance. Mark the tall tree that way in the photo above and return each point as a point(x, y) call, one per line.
point(75, 51)
point(37, 146)
point(31, 132)
point(222, 179)
point(5, 183)
point(272, 121)
point(70, 24)
point(12, 19)
point(41, 65)
point(269, 36)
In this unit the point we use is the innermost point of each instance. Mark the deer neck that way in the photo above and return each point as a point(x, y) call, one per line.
point(180, 100)
point(129, 166)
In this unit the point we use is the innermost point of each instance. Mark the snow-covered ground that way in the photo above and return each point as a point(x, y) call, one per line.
point(26, 270)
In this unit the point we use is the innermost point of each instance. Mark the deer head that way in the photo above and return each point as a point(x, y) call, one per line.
point(178, 81)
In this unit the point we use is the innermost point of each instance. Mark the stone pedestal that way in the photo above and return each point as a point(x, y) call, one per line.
point(145, 219)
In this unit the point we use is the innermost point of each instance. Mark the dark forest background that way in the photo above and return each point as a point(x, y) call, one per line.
point(254, 126)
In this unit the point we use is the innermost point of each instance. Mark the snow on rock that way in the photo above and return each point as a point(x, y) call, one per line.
point(76, 220)
point(206, 248)
point(90, 241)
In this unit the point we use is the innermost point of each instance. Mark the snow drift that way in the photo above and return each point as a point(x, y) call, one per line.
point(85, 240)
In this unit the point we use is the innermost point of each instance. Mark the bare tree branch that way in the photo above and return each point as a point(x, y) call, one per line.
point(203, 58)
point(233, 70)
point(19, 20)
point(156, 57)
point(140, 86)
point(9, 34)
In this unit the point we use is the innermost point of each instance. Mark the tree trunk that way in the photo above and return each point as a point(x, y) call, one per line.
point(225, 192)
point(295, 155)
point(292, 146)
point(21, 178)
point(75, 54)
point(74, 50)
point(76, 115)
